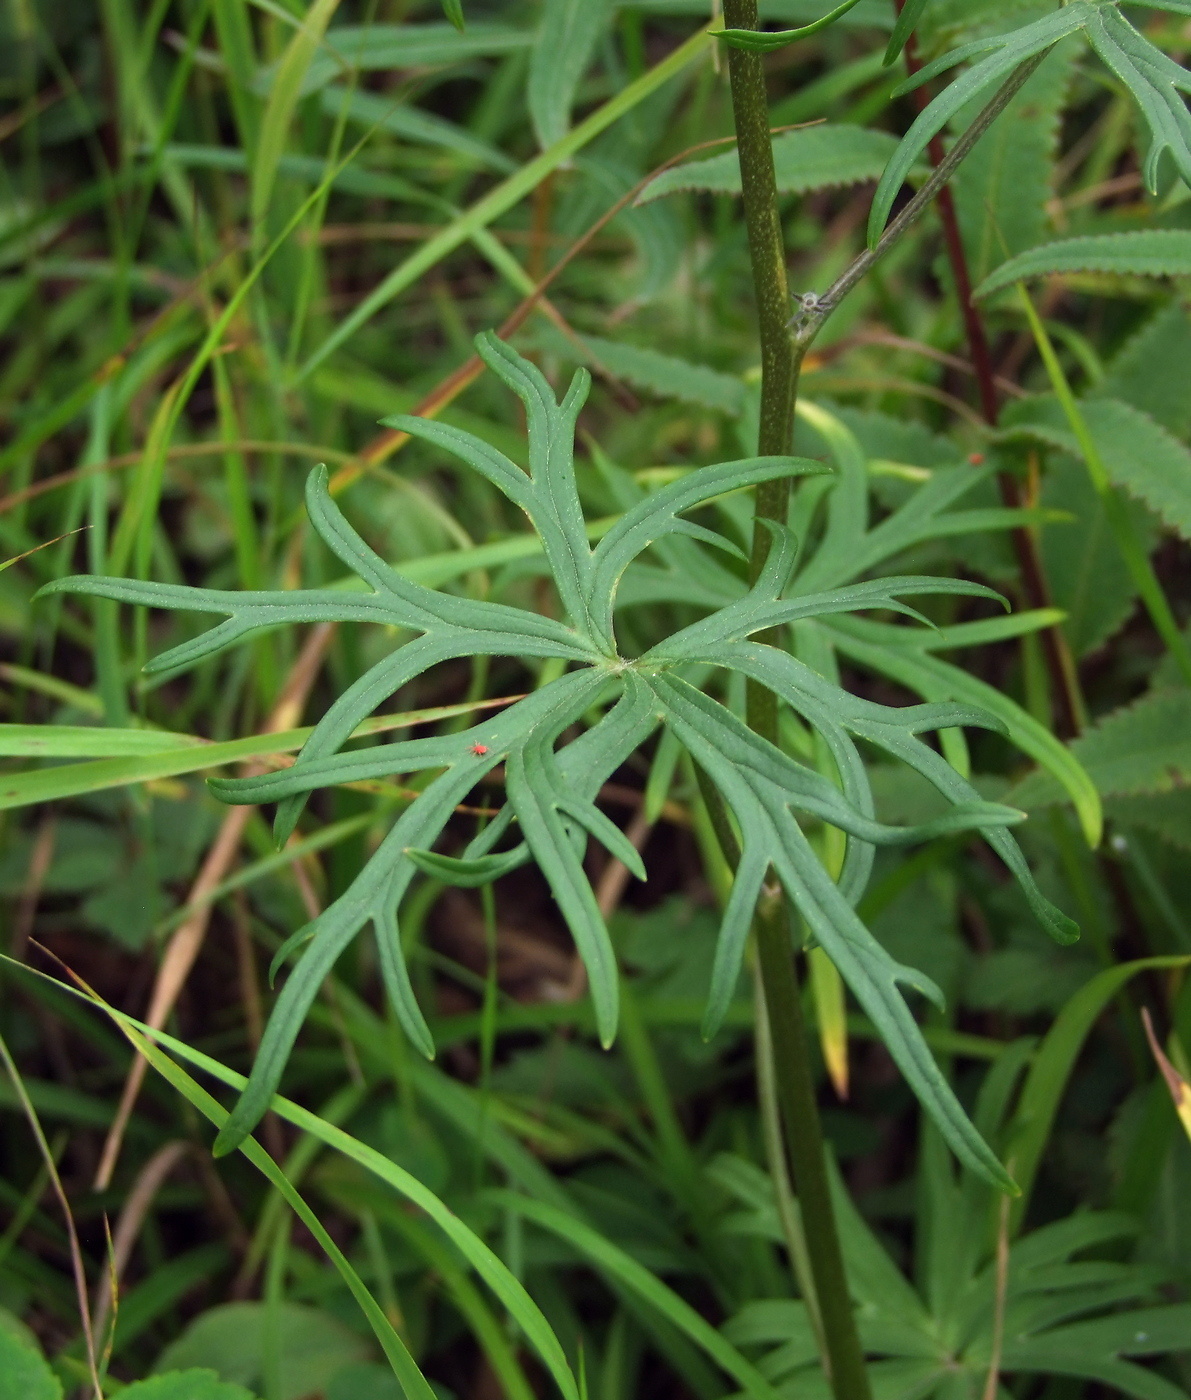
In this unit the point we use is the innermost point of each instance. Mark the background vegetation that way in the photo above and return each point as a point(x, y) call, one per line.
point(236, 233)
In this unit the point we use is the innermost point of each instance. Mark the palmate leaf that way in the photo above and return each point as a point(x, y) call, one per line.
point(552, 785)
point(1154, 80)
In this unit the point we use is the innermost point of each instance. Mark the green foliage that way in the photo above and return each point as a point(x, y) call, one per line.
point(931, 1347)
point(1142, 253)
point(1088, 578)
point(232, 1340)
point(816, 158)
point(382, 47)
point(194, 1384)
point(911, 13)
point(24, 1374)
point(231, 237)
point(1139, 454)
point(1151, 370)
point(551, 795)
point(1141, 748)
point(566, 39)
point(767, 41)
point(1012, 170)
point(1153, 80)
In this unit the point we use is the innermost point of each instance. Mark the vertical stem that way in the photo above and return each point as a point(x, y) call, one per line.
point(779, 359)
point(780, 363)
point(804, 1145)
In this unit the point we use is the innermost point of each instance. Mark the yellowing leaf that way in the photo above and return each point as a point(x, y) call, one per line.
point(1180, 1090)
point(827, 988)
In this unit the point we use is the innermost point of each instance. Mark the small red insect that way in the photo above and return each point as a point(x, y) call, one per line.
point(479, 750)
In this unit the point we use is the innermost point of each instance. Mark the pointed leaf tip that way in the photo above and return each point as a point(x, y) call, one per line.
point(227, 1139)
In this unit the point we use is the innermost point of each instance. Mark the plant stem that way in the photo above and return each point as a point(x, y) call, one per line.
point(781, 359)
point(762, 217)
point(789, 1212)
point(795, 1084)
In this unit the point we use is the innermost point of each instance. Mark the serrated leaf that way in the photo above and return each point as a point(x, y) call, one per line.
point(1166, 814)
point(815, 158)
point(1012, 169)
point(1156, 252)
point(1089, 580)
point(667, 376)
point(566, 39)
point(1142, 748)
point(1154, 81)
point(1153, 368)
point(1139, 455)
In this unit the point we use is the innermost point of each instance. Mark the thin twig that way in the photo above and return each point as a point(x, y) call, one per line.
point(76, 1253)
point(817, 309)
point(149, 1180)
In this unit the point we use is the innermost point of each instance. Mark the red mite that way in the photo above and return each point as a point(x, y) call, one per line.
point(479, 750)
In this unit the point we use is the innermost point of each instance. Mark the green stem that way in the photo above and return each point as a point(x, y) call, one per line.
point(789, 1212)
point(1132, 550)
point(795, 1083)
point(789, 1056)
